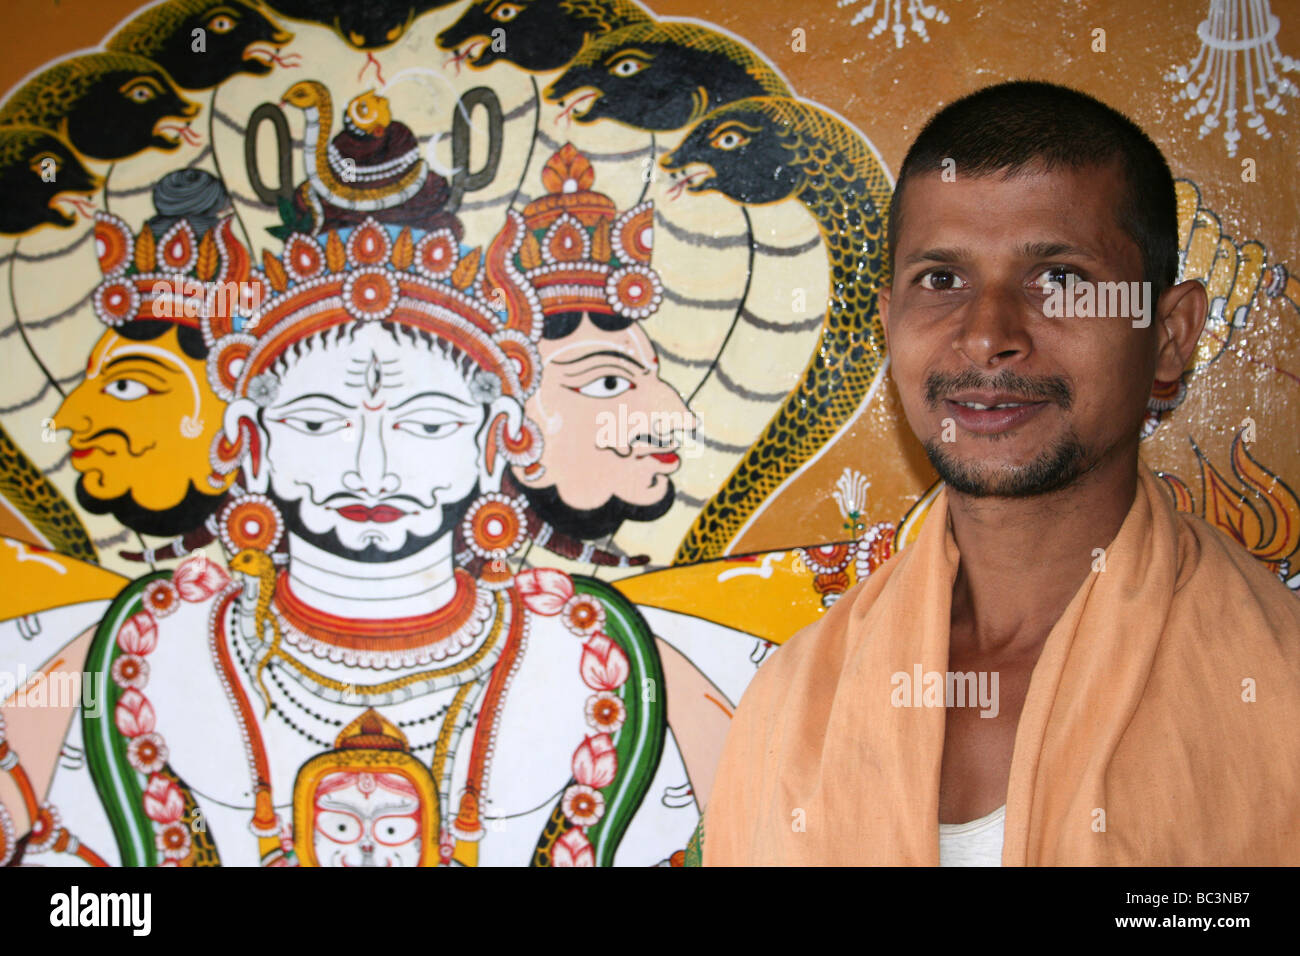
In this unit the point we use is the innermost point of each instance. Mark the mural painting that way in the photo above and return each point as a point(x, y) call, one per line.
point(420, 421)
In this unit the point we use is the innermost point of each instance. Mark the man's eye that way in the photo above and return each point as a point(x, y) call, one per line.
point(941, 280)
point(429, 427)
point(315, 424)
point(607, 386)
point(1054, 277)
point(126, 389)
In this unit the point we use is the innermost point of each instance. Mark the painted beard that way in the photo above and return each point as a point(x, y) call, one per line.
point(593, 524)
point(1054, 469)
point(329, 541)
point(190, 513)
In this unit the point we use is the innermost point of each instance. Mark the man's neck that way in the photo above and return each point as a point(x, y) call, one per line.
point(416, 584)
point(1023, 559)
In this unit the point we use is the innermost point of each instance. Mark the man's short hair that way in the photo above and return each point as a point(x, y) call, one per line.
point(1015, 126)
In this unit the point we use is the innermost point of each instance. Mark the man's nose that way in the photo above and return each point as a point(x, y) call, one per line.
point(994, 327)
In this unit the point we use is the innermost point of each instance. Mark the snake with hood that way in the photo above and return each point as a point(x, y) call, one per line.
point(759, 146)
point(535, 35)
point(37, 170)
point(108, 106)
point(770, 149)
point(662, 76)
point(237, 38)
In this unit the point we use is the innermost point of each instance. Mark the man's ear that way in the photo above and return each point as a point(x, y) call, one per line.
point(491, 456)
point(1182, 312)
point(240, 423)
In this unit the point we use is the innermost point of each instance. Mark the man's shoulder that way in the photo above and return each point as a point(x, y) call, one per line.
point(1222, 577)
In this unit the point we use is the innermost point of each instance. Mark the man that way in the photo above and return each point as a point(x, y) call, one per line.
point(1143, 672)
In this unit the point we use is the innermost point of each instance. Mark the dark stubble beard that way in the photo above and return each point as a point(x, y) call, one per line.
point(1056, 467)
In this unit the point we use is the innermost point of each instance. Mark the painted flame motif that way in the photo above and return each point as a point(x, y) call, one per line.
point(1264, 519)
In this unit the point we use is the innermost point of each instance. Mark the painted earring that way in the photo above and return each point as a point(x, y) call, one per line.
point(523, 448)
point(494, 528)
point(250, 521)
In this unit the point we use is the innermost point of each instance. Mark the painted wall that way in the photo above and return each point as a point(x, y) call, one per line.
point(417, 429)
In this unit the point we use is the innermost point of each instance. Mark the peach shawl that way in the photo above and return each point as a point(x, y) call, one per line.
point(1137, 743)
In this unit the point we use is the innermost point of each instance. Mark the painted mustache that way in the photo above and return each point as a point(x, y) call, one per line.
point(89, 440)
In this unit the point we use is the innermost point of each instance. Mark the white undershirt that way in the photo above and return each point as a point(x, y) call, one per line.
point(977, 843)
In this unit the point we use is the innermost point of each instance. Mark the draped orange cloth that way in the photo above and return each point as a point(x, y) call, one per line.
point(1138, 742)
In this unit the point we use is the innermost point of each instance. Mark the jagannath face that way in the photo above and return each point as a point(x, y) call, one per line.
point(367, 819)
point(372, 437)
point(611, 426)
point(142, 421)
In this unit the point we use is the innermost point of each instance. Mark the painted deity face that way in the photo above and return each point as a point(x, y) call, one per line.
point(367, 819)
point(611, 427)
point(142, 421)
point(373, 439)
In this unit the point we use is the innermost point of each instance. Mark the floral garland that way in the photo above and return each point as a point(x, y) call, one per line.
point(195, 580)
point(605, 669)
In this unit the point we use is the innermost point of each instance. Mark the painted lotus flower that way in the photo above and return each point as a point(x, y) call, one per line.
point(544, 590)
point(134, 715)
point(162, 800)
point(595, 762)
point(573, 849)
point(604, 665)
point(197, 578)
point(138, 635)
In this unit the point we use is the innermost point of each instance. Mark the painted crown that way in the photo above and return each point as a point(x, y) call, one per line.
point(477, 300)
point(579, 253)
point(176, 277)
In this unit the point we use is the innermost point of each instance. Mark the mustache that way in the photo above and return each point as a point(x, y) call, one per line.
point(669, 443)
point(1051, 388)
point(348, 496)
point(124, 436)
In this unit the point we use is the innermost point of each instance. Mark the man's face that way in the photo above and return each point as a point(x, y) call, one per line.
point(372, 440)
point(142, 421)
point(975, 262)
point(610, 424)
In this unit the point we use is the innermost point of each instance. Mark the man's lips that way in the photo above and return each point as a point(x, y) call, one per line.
point(991, 419)
point(83, 452)
point(667, 457)
point(379, 513)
